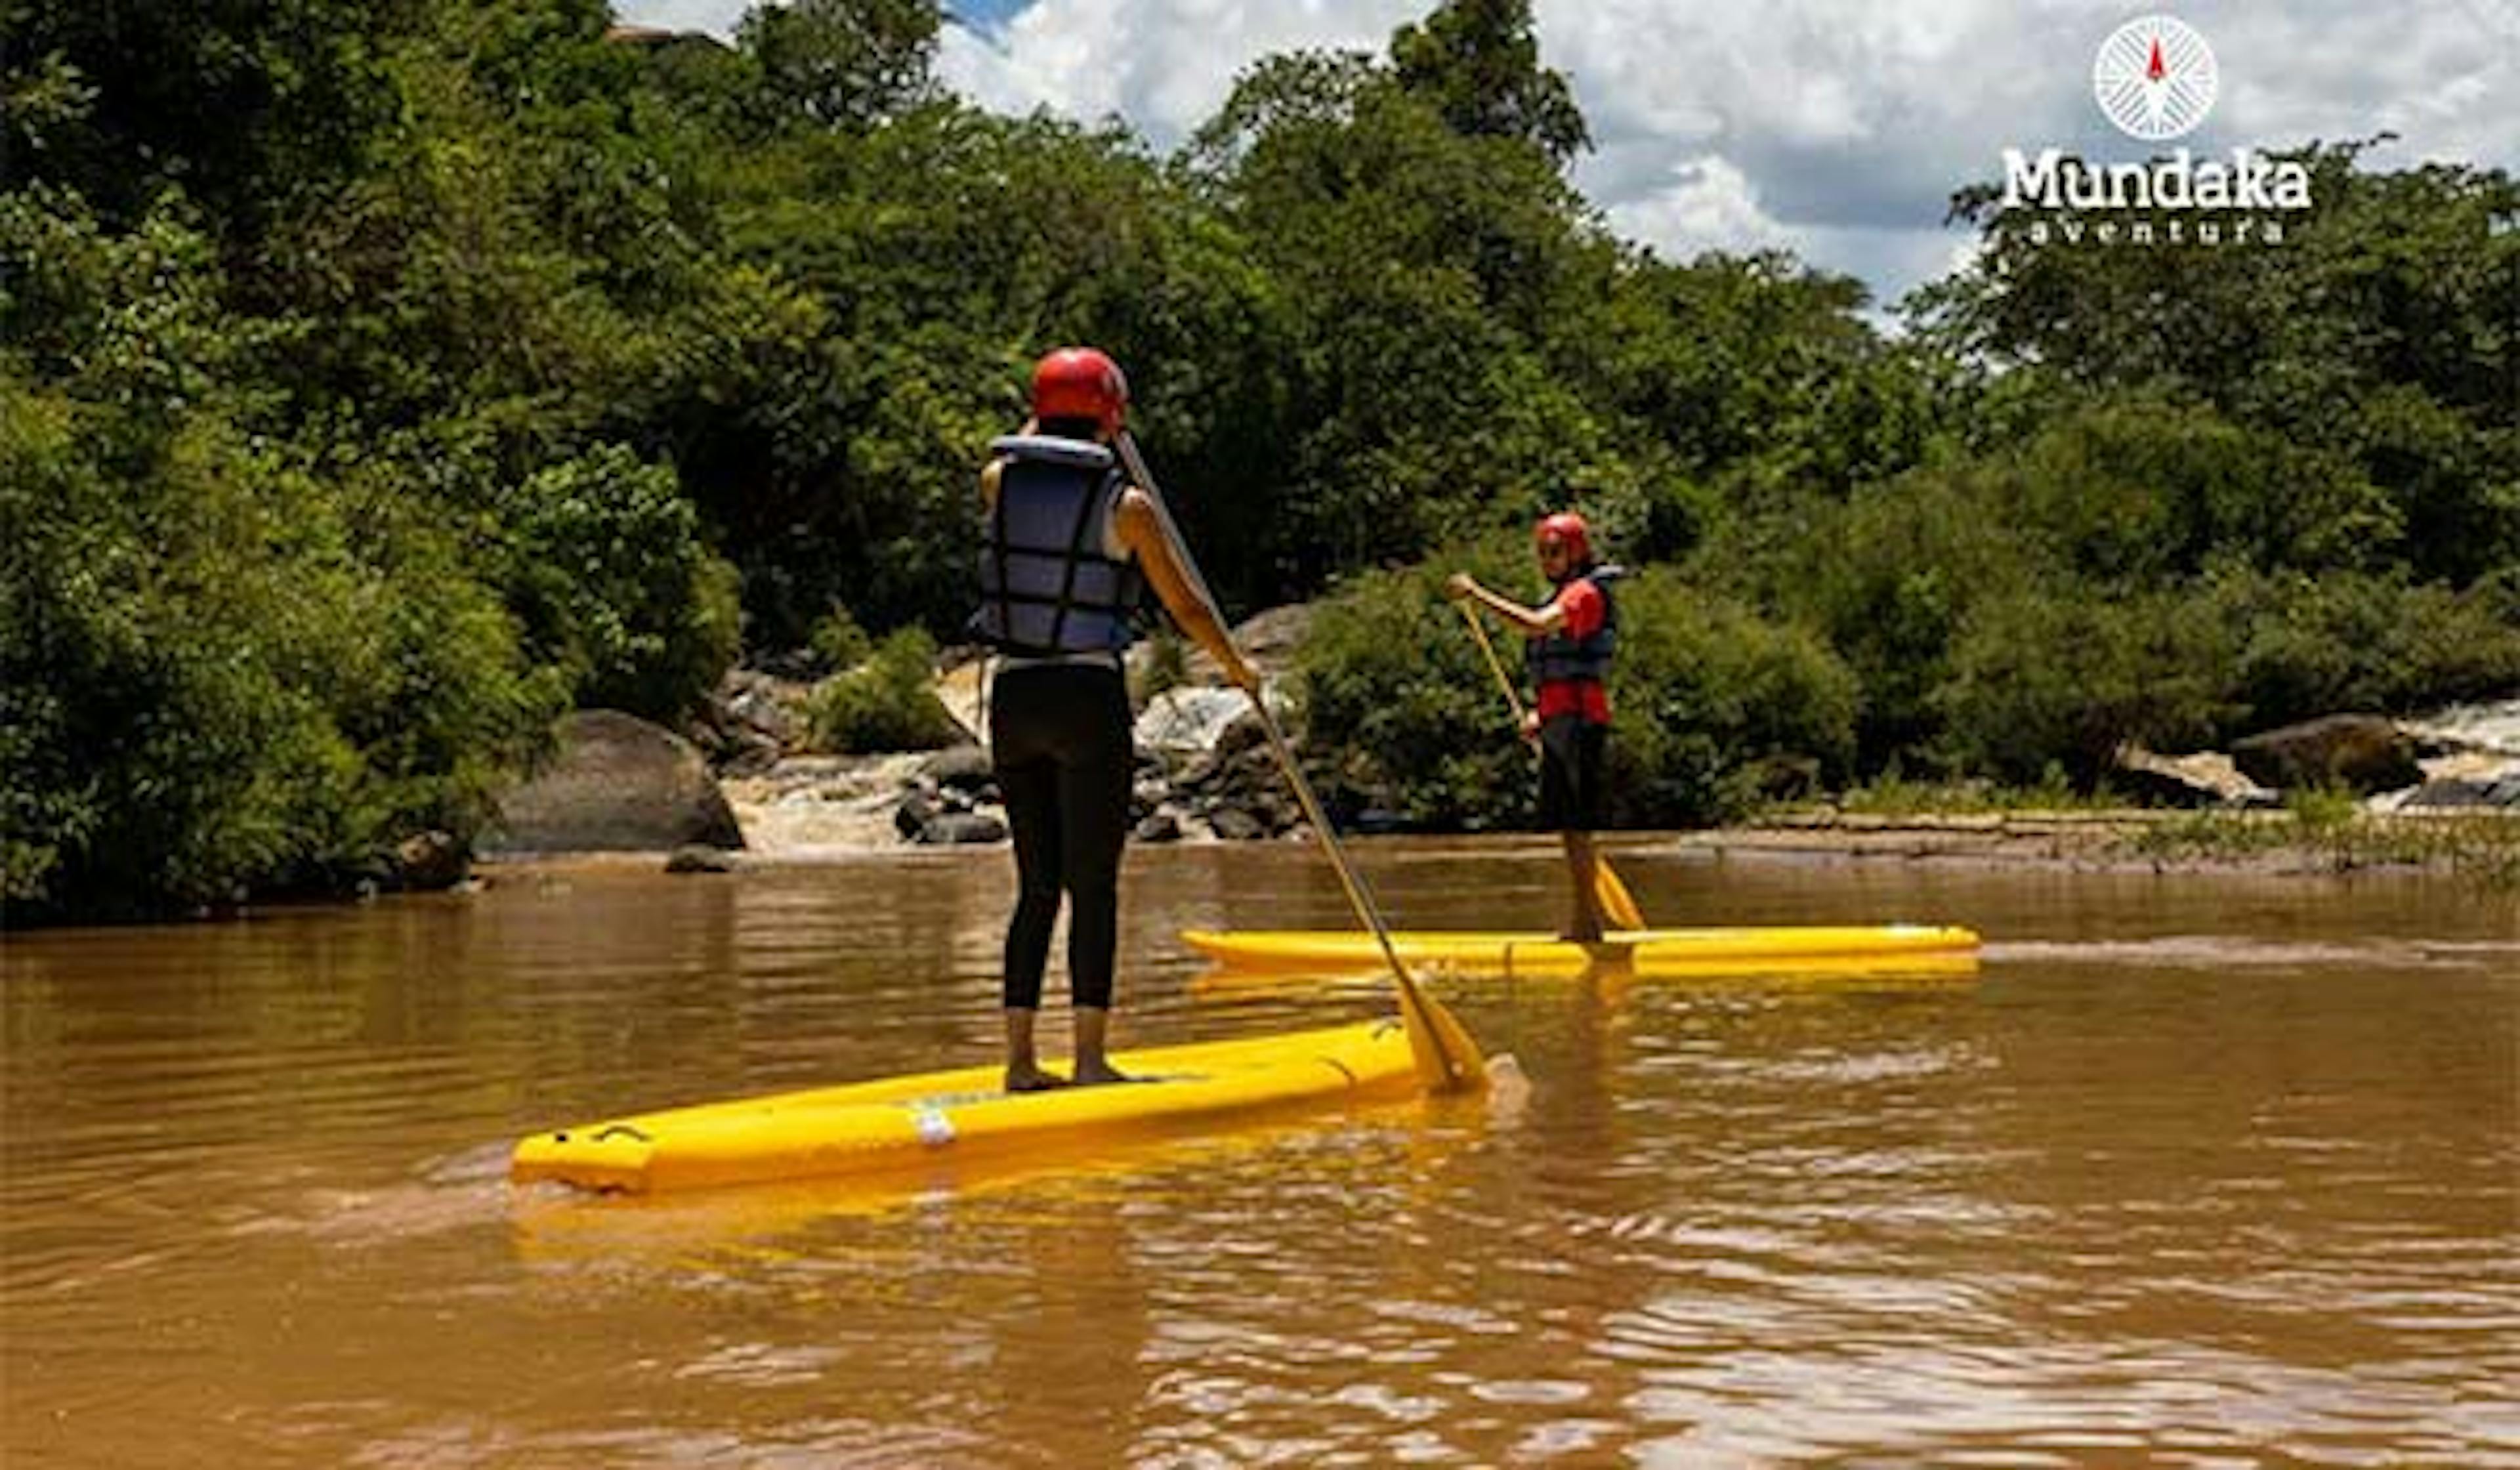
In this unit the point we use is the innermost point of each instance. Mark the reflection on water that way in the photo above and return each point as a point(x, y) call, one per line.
point(2195, 1170)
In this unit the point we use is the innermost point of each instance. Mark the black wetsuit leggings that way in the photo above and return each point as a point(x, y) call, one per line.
point(1061, 742)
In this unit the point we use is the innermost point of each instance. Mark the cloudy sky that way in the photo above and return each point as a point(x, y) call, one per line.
point(1835, 128)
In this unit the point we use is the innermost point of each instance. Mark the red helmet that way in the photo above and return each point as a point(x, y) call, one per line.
point(1567, 527)
point(1079, 382)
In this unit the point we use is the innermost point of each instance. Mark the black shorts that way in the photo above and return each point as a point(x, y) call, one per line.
point(1572, 752)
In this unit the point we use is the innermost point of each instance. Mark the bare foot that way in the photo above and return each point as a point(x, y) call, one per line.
point(1032, 1079)
point(1092, 1073)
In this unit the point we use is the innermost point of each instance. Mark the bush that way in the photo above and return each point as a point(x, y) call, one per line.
point(2039, 601)
point(605, 567)
point(1707, 697)
point(2067, 675)
point(837, 639)
point(1712, 702)
point(214, 681)
point(889, 702)
point(2359, 641)
point(229, 661)
point(1889, 580)
point(1391, 680)
point(2143, 492)
point(2047, 678)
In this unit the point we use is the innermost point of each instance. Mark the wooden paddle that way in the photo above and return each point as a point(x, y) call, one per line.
point(1447, 1057)
point(1618, 905)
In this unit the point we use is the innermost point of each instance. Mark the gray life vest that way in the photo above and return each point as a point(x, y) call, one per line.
point(1046, 585)
point(1556, 657)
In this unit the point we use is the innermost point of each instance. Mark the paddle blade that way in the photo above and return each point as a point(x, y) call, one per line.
point(1447, 1057)
point(1618, 905)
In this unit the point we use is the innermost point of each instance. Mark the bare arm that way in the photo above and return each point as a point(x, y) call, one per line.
point(1176, 581)
point(1535, 622)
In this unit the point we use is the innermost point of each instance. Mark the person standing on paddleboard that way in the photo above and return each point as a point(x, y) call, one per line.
point(1572, 637)
point(1067, 543)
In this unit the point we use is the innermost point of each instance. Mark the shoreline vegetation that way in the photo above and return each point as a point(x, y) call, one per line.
point(385, 387)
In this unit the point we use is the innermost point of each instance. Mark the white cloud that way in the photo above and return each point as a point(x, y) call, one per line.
point(716, 17)
point(1175, 66)
point(1708, 205)
point(1836, 128)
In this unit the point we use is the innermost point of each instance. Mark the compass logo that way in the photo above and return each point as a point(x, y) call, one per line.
point(2155, 79)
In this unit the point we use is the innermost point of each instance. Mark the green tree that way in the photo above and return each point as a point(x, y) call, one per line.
point(605, 566)
point(842, 64)
point(2064, 676)
point(1478, 61)
point(216, 679)
point(1416, 268)
point(252, 110)
point(2380, 329)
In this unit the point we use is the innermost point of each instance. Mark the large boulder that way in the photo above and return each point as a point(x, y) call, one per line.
point(1190, 719)
point(617, 784)
point(2361, 752)
point(961, 767)
point(1269, 640)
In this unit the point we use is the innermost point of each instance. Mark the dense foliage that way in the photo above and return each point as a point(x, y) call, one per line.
point(379, 380)
point(885, 702)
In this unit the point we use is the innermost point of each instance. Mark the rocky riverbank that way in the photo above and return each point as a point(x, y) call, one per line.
point(2480, 844)
point(1204, 773)
point(2346, 792)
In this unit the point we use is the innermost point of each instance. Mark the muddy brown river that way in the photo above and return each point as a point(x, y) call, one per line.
point(2212, 1171)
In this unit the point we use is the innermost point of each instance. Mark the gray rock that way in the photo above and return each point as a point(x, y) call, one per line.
point(961, 828)
point(750, 752)
point(1245, 733)
point(616, 784)
point(775, 707)
point(1235, 824)
point(1269, 640)
point(917, 810)
point(1163, 826)
point(699, 860)
point(961, 767)
point(1188, 720)
point(2482, 793)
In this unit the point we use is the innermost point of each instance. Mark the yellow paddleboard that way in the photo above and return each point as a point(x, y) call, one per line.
point(1675, 951)
point(912, 1122)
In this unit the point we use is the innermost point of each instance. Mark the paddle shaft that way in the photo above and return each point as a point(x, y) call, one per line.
point(1359, 897)
point(1496, 665)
